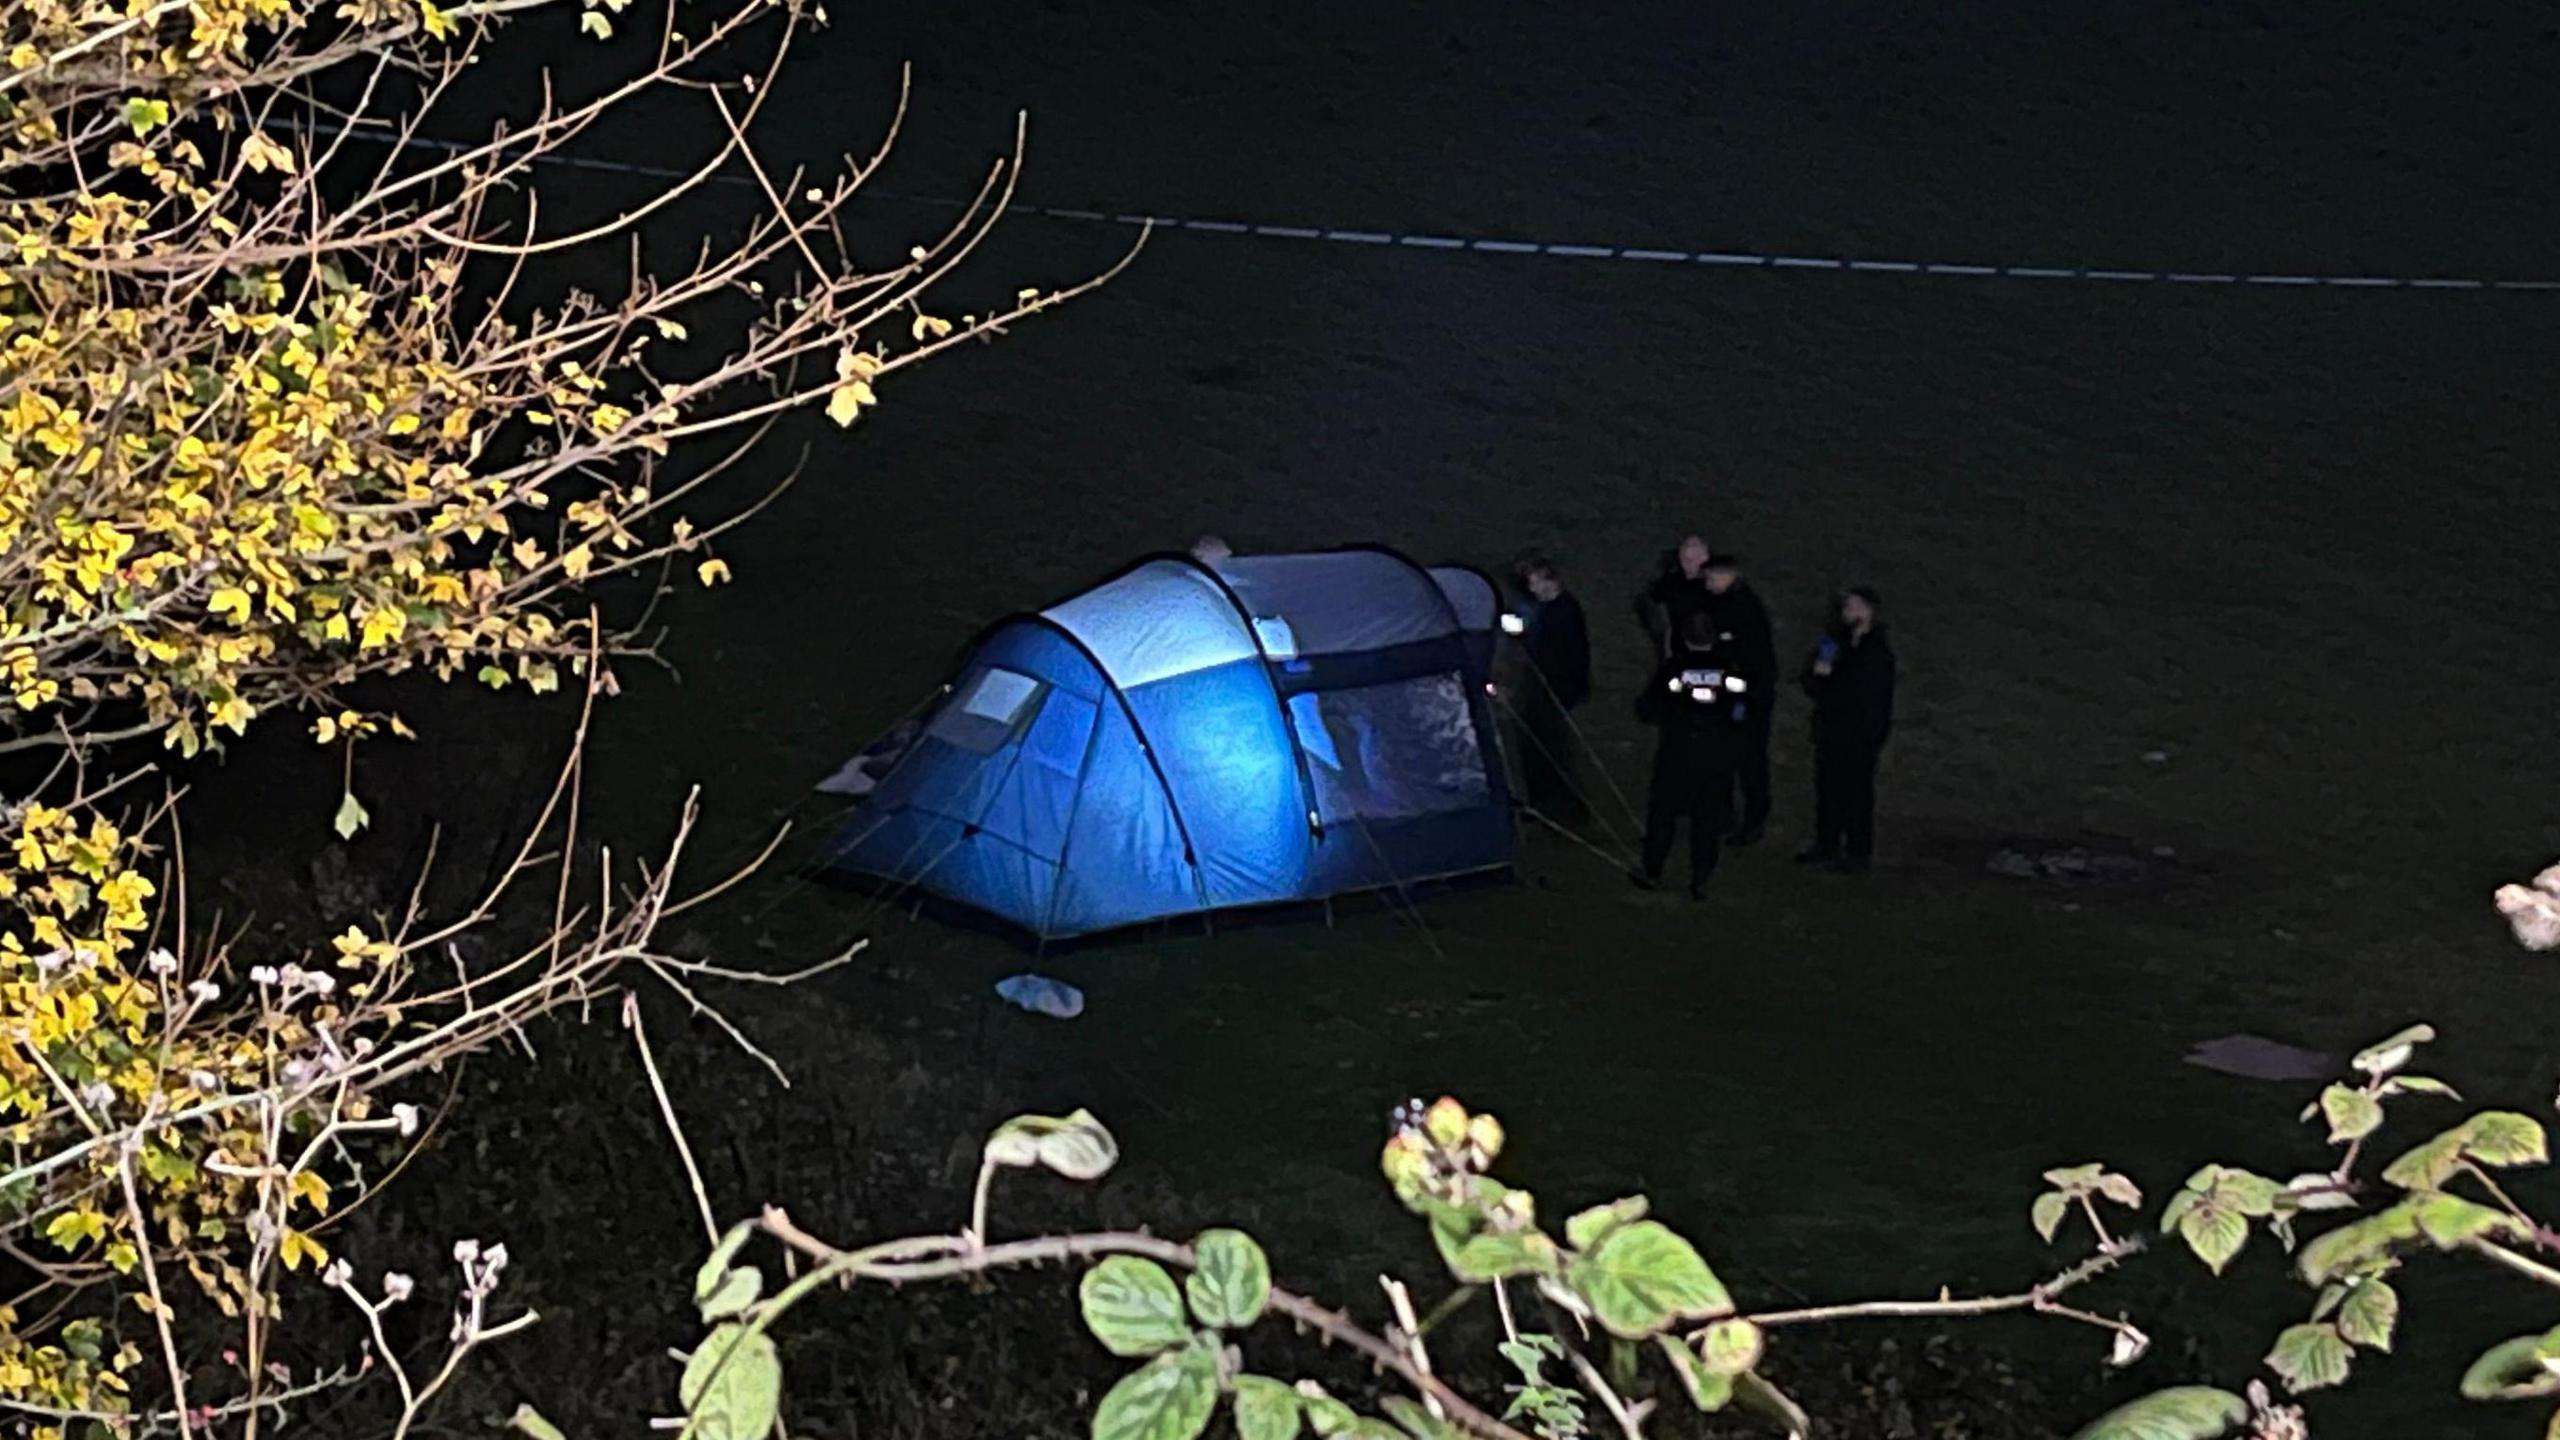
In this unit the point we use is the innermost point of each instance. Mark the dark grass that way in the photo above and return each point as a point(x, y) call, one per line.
point(2299, 541)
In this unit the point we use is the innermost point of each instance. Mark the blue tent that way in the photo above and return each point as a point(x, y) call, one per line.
point(1186, 738)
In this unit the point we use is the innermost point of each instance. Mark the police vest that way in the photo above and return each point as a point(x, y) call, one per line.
point(1708, 685)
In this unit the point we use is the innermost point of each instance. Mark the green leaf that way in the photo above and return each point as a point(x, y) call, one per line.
point(1585, 1229)
point(1708, 1391)
point(1265, 1409)
point(145, 116)
point(2311, 1357)
point(2493, 1137)
point(1756, 1393)
point(2504, 1139)
point(1325, 1415)
point(1641, 1277)
point(1076, 1146)
point(1493, 1256)
point(2511, 1370)
point(1232, 1282)
point(2215, 1234)
point(2189, 1412)
point(2076, 1179)
point(2121, 1190)
point(2384, 1056)
point(1416, 1418)
point(2428, 1165)
point(2352, 1113)
point(736, 1291)
point(708, 1278)
point(351, 816)
point(1132, 1307)
point(732, 1385)
point(1731, 1347)
point(2251, 1195)
point(2368, 1314)
point(2180, 1205)
point(1169, 1398)
point(2419, 1085)
point(2359, 1245)
point(529, 1423)
point(2450, 1220)
point(2050, 1210)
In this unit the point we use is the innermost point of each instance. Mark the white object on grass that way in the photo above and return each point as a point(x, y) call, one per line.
point(1042, 996)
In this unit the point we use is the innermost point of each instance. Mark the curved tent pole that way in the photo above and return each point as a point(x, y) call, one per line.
point(1288, 721)
point(1146, 747)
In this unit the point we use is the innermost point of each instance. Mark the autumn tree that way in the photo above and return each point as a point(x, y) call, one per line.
point(270, 419)
point(275, 416)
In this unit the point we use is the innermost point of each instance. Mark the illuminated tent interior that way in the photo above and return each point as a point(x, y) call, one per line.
point(1186, 738)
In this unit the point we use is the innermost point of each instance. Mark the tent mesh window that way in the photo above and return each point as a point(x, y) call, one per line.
point(990, 707)
point(1392, 752)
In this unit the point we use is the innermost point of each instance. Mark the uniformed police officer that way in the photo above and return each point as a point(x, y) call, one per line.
point(1700, 702)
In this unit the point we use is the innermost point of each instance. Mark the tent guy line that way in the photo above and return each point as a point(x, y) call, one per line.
point(1642, 255)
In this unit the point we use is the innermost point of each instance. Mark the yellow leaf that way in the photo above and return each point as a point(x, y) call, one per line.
point(324, 729)
point(669, 329)
point(71, 1227)
point(230, 600)
point(296, 1246)
point(578, 562)
point(404, 424)
point(929, 325)
point(312, 1190)
point(845, 402)
point(594, 23)
point(712, 572)
point(437, 23)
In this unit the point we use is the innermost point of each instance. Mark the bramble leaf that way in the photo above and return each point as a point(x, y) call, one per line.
point(2368, 1314)
point(2050, 1210)
point(1708, 1391)
point(2311, 1357)
point(1132, 1307)
point(1265, 1409)
point(1076, 1146)
point(732, 1385)
point(1169, 1398)
point(1641, 1277)
point(1731, 1347)
point(2352, 1113)
point(2189, 1412)
point(1585, 1229)
point(1233, 1281)
point(2512, 1370)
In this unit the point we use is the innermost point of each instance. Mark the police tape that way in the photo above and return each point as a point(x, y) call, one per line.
point(1643, 255)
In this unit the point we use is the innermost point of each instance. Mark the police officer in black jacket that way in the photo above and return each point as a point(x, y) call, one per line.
point(1678, 591)
point(1743, 624)
point(1700, 702)
point(1850, 678)
point(1555, 639)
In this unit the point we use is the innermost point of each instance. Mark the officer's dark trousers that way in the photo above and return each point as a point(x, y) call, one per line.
point(1691, 782)
point(1844, 796)
point(1546, 761)
point(1751, 770)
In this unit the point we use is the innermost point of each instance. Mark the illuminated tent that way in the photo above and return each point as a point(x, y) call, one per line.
point(1186, 738)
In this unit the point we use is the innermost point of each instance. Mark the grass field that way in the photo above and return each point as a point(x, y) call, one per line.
point(2300, 541)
